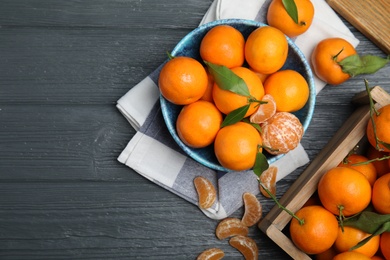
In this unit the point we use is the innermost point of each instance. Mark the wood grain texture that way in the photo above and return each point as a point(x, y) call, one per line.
point(370, 17)
point(63, 195)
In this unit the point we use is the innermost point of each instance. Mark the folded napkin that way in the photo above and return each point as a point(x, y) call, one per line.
point(153, 153)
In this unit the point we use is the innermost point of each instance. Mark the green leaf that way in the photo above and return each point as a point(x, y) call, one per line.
point(355, 65)
point(257, 126)
point(291, 9)
point(235, 116)
point(261, 164)
point(227, 80)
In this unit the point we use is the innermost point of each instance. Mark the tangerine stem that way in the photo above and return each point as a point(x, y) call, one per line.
point(301, 221)
point(372, 110)
point(341, 217)
point(385, 157)
point(335, 56)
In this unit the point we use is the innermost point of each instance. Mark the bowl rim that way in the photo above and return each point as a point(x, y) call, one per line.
point(310, 105)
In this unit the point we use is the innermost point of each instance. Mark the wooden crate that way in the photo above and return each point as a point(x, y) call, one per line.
point(346, 138)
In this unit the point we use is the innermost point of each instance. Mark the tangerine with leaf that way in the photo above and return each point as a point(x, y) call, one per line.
point(378, 129)
point(291, 20)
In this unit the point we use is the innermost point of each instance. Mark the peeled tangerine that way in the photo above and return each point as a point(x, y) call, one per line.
point(281, 133)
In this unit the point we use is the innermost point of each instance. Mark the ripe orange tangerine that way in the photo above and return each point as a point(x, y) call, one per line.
point(266, 49)
point(367, 169)
point(223, 45)
point(278, 17)
point(381, 194)
point(227, 101)
point(382, 126)
point(198, 123)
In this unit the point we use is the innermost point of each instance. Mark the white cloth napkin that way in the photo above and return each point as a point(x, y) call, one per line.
point(153, 153)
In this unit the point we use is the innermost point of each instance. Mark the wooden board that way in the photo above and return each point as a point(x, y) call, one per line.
point(370, 17)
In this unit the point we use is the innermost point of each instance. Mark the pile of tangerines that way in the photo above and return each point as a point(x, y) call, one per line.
point(349, 216)
point(225, 88)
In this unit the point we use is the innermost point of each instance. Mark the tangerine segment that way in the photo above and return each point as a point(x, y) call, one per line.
point(351, 255)
point(266, 49)
point(264, 111)
point(198, 123)
point(318, 232)
point(382, 126)
point(227, 101)
point(247, 246)
point(237, 145)
point(223, 45)
point(230, 227)
point(268, 179)
point(206, 192)
point(289, 89)
point(350, 236)
point(182, 80)
point(381, 194)
point(367, 169)
point(344, 191)
point(253, 209)
point(281, 133)
point(278, 17)
point(211, 254)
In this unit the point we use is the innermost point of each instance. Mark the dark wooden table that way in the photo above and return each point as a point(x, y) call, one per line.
point(63, 195)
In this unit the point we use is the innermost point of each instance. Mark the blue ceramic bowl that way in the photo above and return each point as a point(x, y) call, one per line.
point(189, 46)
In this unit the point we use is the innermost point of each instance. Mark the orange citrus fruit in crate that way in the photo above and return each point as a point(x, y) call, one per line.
point(236, 146)
point(381, 194)
point(384, 244)
point(198, 123)
point(182, 80)
point(277, 16)
point(318, 231)
point(381, 120)
point(281, 133)
point(325, 56)
point(223, 45)
point(289, 89)
point(227, 101)
point(350, 236)
point(266, 49)
point(350, 255)
point(344, 191)
point(366, 168)
point(382, 167)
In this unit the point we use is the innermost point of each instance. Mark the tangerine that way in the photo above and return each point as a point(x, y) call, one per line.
point(198, 123)
point(367, 169)
point(318, 232)
point(289, 89)
point(281, 133)
point(382, 166)
point(381, 194)
point(264, 111)
point(351, 255)
point(253, 209)
point(381, 120)
point(344, 191)
point(384, 244)
point(268, 180)
point(237, 145)
point(350, 237)
point(325, 58)
point(266, 49)
point(223, 45)
point(182, 80)
point(227, 101)
point(206, 192)
point(208, 94)
point(278, 17)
